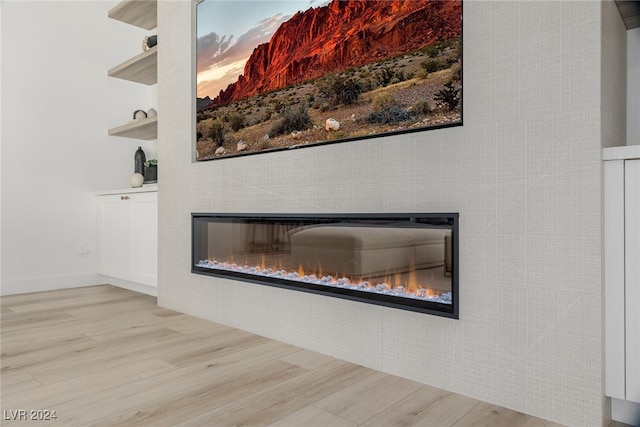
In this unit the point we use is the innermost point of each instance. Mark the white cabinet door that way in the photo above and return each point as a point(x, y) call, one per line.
point(632, 277)
point(614, 279)
point(128, 236)
point(144, 220)
point(114, 236)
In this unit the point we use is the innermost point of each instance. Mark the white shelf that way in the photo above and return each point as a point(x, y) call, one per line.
point(139, 13)
point(142, 68)
point(146, 129)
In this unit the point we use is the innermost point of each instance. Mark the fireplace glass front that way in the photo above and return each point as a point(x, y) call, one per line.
point(405, 261)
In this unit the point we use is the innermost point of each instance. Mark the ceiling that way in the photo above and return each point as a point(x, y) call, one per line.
point(630, 11)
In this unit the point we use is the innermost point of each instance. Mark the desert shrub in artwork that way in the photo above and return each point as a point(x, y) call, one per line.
point(340, 89)
point(432, 65)
point(456, 71)
point(392, 114)
point(384, 76)
point(216, 133)
point(383, 101)
point(432, 51)
point(237, 121)
point(448, 96)
point(293, 119)
point(267, 115)
point(421, 108)
point(276, 105)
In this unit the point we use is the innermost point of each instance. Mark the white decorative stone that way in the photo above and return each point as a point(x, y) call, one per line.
point(220, 151)
point(241, 145)
point(332, 124)
point(137, 179)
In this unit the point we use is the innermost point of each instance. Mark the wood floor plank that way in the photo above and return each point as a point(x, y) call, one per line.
point(360, 401)
point(60, 294)
point(487, 415)
point(211, 348)
point(171, 409)
point(188, 324)
point(308, 359)
point(54, 395)
point(100, 328)
point(268, 406)
point(165, 312)
point(310, 416)
point(5, 310)
point(113, 307)
point(105, 356)
point(81, 302)
point(16, 382)
point(19, 323)
point(30, 358)
point(140, 329)
point(426, 407)
point(138, 321)
point(21, 343)
point(125, 401)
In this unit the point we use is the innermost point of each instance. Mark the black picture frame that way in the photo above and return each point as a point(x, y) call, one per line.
point(407, 78)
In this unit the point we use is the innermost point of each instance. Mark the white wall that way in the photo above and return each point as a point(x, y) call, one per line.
point(633, 87)
point(57, 104)
point(524, 172)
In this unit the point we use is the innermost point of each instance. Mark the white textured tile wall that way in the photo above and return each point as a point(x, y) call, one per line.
point(523, 171)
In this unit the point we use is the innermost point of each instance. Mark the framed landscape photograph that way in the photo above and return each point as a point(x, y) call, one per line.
point(274, 75)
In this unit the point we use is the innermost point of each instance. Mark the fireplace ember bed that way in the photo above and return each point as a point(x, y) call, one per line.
point(404, 261)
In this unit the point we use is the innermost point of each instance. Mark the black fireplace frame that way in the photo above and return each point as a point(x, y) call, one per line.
point(437, 220)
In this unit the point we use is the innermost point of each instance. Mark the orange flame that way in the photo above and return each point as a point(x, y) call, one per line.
point(407, 279)
point(412, 282)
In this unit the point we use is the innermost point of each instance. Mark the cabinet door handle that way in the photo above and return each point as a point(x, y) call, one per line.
point(124, 197)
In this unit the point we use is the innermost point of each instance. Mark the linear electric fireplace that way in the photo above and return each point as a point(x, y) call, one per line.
point(405, 261)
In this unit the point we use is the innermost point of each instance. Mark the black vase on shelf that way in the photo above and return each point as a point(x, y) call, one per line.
point(139, 159)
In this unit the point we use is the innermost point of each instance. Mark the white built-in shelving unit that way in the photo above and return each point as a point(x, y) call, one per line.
point(142, 68)
point(127, 219)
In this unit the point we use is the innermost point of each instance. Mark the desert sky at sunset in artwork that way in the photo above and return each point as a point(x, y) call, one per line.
point(229, 30)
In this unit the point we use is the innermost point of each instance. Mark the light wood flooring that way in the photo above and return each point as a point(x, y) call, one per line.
point(104, 356)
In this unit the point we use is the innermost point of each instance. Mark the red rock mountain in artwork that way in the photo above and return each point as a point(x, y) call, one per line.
point(340, 35)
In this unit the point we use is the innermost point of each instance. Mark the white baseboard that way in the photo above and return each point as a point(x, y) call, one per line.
point(625, 411)
point(49, 283)
point(132, 286)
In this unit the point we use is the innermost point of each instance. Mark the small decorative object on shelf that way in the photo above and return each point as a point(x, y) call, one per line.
point(139, 114)
point(139, 161)
point(152, 112)
point(148, 42)
point(151, 171)
point(137, 180)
